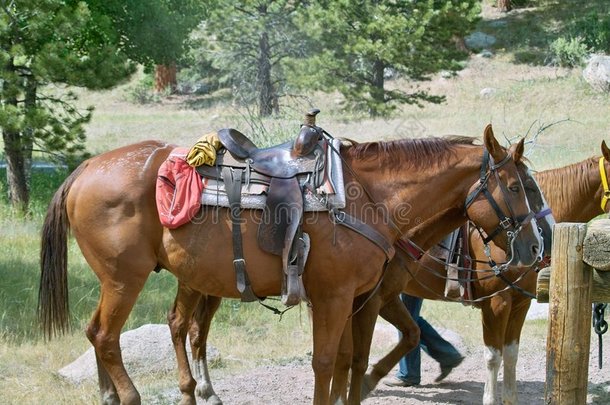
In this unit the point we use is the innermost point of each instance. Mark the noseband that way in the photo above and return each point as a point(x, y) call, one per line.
point(510, 223)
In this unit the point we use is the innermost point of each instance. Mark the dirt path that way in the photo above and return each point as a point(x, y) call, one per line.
point(293, 384)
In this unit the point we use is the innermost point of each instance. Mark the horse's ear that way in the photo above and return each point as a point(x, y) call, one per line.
point(492, 145)
point(605, 151)
point(516, 150)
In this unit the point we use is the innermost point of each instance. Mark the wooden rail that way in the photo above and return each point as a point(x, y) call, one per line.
point(570, 291)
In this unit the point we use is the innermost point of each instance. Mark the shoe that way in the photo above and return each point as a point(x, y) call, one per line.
point(399, 382)
point(445, 370)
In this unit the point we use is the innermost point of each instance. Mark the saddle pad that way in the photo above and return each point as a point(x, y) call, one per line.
point(331, 194)
point(178, 189)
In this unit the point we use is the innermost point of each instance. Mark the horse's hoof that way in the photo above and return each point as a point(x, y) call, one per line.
point(206, 392)
point(214, 400)
point(368, 384)
point(188, 400)
point(111, 400)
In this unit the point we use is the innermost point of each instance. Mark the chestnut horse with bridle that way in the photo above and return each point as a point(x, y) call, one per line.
point(108, 202)
point(575, 193)
point(420, 273)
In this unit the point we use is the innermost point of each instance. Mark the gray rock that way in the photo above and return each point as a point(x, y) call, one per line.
point(446, 74)
point(147, 349)
point(597, 73)
point(487, 92)
point(485, 53)
point(479, 40)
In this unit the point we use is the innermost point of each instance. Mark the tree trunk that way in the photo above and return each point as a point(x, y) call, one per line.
point(267, 98)
point(31, 89)
point(165, 78)
point(377, 91)
point(15, 171)
point(504, 5)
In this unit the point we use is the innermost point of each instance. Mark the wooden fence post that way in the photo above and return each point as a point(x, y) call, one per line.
point(569, 335)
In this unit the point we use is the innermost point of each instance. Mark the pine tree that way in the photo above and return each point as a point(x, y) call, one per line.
point(362, 42)
point(44, 42)
point(248, 42)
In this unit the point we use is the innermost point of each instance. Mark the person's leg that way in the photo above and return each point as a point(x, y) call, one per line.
point(438, 348)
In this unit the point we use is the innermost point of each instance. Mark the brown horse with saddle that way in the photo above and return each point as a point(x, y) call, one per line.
point(363, 320)
point(109, 204)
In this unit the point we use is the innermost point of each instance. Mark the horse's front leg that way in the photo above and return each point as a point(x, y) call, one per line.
point(518, 313)
point(494, 313)
point(338, 390)
point(178, 319)
point(198, 333)
point(329, 314)
point(395, 312)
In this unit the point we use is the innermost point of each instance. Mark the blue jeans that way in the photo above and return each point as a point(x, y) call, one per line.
point(438, 348)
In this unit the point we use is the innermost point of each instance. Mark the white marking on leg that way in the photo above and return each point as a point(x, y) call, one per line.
point(509, 385)
point(493, 359)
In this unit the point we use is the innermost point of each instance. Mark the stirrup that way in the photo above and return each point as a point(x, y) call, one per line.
point(293, 285)
point(453, 287)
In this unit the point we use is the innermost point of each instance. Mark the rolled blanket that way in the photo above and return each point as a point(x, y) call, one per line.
point(204, 150)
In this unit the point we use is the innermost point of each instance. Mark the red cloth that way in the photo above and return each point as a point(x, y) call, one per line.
point(179, 188)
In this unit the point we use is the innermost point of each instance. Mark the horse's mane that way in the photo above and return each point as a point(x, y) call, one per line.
point(559, 185)
point(412, 153)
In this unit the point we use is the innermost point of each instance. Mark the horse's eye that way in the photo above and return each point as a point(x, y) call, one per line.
point(514, 188)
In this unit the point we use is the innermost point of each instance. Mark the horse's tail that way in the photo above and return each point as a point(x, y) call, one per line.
point(53, 308)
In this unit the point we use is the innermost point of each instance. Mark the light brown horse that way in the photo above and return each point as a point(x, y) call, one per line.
point(109, 204)
point(574, 194)
point(427, 233)
point(426, 278)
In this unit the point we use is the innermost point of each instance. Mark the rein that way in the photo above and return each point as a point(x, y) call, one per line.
point(509, 284)
point(602, 173)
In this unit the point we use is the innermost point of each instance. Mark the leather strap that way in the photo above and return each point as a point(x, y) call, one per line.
point(232, 179)
point(602, 173)
point(414, 251)
point(353, 223)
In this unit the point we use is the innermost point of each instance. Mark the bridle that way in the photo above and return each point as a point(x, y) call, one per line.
point(510, 223)
point(606, 194)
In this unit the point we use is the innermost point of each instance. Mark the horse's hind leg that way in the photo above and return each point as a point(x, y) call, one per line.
point(104, 330)
point(178, 320)
point(107, 389)
point(200, 327)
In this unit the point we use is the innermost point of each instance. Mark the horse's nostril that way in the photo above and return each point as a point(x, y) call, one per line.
point(535, 249)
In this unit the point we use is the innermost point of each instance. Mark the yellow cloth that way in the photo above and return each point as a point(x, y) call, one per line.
point(204, 150)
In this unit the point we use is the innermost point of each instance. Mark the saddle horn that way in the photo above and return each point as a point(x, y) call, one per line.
point(309, 135)
point(310, 117)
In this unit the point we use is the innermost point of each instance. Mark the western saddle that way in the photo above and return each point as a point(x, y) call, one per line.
point(289, 170)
